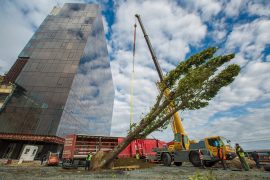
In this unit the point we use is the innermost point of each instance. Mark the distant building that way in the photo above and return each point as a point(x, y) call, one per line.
point(63, 77)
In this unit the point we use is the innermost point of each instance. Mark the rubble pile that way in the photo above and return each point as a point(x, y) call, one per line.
point(121, 162)
point(235, 163)
point(96, 159)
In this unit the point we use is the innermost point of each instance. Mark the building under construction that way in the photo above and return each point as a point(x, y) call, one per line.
point(61, 82)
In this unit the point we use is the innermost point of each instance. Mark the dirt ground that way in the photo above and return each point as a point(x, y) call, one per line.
point(132, 161)
point(187, 171)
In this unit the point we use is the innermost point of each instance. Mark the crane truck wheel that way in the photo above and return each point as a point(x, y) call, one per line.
point(166, 159)
point(194, 158)
point(178, 163)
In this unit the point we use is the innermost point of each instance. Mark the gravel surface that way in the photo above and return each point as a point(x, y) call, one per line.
point(156, 172)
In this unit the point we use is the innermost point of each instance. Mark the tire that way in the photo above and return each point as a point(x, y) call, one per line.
point(67, 165)
point(178, 163)
point(209, 163)
point(194, 158)
point(166, 159)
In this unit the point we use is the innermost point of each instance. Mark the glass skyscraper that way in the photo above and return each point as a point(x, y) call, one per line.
point(66, 85)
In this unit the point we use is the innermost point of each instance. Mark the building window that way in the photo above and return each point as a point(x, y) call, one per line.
point(26, 151)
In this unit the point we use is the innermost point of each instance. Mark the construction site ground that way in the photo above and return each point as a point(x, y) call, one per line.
point(187, 171)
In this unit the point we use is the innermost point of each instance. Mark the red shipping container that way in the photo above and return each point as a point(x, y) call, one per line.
point(78, 146)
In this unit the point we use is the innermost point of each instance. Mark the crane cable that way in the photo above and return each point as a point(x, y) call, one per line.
point(132, 78)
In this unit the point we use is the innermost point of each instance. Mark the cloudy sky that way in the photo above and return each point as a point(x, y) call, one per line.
point(177, 29)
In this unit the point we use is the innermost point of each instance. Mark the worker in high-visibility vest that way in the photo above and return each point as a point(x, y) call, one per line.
point(201, 158)
point(88, 161)
point(137, 156)
point(222, 157)
point(241, 155)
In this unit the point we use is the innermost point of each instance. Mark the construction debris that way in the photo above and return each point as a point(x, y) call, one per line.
point(121, 163)
point(96, 159)
point(235, 163)
point(126, 168)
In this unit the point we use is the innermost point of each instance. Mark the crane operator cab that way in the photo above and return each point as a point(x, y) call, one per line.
point(213, 143)
point(181, 141)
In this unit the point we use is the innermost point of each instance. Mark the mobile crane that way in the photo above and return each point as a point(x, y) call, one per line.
point(183, 149)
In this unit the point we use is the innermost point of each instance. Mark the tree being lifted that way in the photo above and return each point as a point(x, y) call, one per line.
point(193, 83)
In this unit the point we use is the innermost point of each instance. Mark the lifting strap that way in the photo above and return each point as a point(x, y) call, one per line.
point(132, 78)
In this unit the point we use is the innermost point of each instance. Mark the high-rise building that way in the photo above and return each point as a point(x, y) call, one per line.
point(66, 84)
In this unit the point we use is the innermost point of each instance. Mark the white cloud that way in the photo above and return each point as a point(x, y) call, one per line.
point(171, 29)
point(206, 9)
point(220, 30)
point(255, 8)
point(243, 129)
point(12, 40)
point(232, 9)
point(250, 38)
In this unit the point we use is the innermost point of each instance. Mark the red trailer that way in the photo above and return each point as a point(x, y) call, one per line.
point(142, 146)
point(77, 147)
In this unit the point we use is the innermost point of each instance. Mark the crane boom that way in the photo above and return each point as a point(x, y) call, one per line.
point(150, 48)
point(180, 139)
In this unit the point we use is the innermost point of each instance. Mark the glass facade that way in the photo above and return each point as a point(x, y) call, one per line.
point(66, 86)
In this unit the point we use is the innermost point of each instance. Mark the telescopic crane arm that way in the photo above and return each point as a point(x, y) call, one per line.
point(150, 48)
point(180, 139)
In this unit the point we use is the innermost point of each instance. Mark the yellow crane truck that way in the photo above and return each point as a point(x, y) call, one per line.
point(183, 149)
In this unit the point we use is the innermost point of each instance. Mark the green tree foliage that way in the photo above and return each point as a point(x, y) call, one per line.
point(190, 86)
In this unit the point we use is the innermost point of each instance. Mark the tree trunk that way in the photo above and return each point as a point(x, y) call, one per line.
point(118, 149)
point(133, 135)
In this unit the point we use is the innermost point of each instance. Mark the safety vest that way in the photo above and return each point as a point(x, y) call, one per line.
point(137, 156)
point(241, 154)
point(89, 157)
point(221, 154)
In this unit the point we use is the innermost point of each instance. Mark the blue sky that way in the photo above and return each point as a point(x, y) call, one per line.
point(177, 29)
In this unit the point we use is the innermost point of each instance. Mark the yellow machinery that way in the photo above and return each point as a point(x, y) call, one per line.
point(5, 93)
point(181, 140)
point(182, 149)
